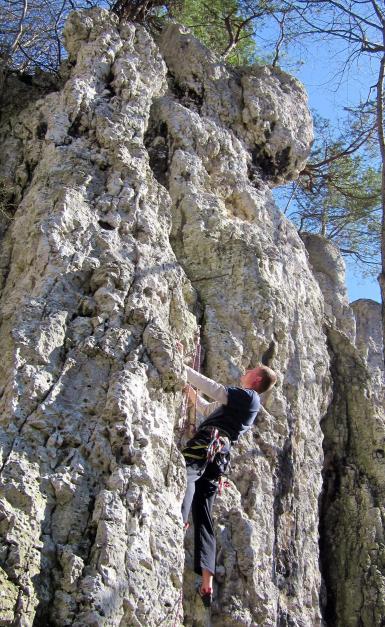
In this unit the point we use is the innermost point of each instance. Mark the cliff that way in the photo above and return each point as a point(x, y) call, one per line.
point(137, 207)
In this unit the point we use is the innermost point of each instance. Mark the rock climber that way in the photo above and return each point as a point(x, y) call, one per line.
point(207, 454)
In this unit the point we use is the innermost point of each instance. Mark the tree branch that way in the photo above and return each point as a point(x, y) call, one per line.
point(352, 148)
point(280, 38)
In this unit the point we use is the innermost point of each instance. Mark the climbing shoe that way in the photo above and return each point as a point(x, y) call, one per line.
point(206, 594)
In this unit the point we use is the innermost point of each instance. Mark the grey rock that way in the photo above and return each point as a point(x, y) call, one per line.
point(329, 270)
point(142, 211)
point(369, 337)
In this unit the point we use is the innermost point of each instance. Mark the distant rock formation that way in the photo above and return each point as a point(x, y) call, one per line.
point(351, 512)
point(136, 206)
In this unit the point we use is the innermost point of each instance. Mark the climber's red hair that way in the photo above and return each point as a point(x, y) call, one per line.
point(261, 379)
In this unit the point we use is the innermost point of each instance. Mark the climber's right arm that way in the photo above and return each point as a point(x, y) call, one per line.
point(204, 408)
point(209, 387)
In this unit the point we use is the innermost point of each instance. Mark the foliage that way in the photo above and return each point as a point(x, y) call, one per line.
point(231, 27)
point(338, 194)
point(209, 22)
point(31, 32)
point(143, 10)
point(360, 24)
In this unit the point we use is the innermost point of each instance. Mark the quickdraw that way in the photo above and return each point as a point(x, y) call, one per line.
point(216, 445)
point(223, 483)
point(205, 446)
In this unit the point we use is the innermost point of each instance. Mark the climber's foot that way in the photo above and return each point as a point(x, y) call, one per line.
point(186, 525)
point(206, 594)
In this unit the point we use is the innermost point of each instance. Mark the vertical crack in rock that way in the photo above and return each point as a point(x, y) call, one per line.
point(156, 142)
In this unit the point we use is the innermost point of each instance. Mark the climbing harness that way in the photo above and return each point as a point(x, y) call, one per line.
point(207, 446)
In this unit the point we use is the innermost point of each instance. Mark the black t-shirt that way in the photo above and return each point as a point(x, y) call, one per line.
point(238, 415)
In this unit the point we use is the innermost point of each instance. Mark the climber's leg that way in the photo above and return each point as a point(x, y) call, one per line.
point(207, 580)
point(193, 472)
point(195, 454)
point(204, 538)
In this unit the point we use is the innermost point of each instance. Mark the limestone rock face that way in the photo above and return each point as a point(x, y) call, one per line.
point(352, 511)
point(352, 540)
point(92, 302)
point(329, 270)
point(137, 208)
point(265, 108)
point(369, 341)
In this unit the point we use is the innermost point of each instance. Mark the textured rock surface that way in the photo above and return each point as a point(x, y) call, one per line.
point(236, 247)
point(92, 301)
point(352, 511)
point(143, 210)
point(369, 342)
point(329, 270)
point(265, 108)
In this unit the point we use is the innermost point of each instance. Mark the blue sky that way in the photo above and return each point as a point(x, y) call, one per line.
point(329, 91)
